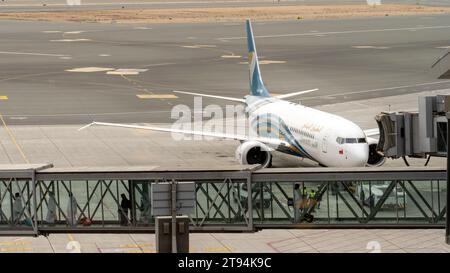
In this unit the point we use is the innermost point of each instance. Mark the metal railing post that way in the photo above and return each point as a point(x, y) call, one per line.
point(447, 218)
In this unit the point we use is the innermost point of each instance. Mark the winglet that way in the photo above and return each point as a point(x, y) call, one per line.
point(86, 126)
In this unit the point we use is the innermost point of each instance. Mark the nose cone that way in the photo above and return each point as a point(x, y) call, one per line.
point(357, 155)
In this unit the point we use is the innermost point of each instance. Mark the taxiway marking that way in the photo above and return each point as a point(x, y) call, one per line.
point(13, 139)
point(32, 53)
point(156, 96)
point(336, 32)
point(90, 69)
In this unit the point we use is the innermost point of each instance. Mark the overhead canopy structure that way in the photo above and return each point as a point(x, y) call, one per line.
point(441, 68)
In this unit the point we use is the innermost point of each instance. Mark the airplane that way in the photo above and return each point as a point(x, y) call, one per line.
point(287, 127)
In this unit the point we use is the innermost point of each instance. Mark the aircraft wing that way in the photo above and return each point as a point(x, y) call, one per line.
point(274, 142)
point(285, 96)
point(372, 132)
point(210, 96)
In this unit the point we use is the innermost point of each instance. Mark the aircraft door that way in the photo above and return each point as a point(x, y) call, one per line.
point(324, 143)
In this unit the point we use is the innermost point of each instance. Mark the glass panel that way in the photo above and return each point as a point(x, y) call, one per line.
point(16, 205)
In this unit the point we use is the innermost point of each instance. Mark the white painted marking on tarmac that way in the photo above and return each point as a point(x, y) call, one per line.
point(31, 53)
point(18, 118)
point(74, 32)
point(443, 47)
point(199, 46)
point(373, 2)
point(104, 55)
point(73, 2)
point(65, 58)
point(71, 40)
point(51, 31)
point(156, 96)
point(370, 47)
point(262, 62)
point(90, 69)
point(336, 32)
point(231, 56)
point(375, 90)
point(126, 71)
point(142, 28)
point(96, 114)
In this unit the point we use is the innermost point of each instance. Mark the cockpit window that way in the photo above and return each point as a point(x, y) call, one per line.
point(361, 140)
point(341, 140)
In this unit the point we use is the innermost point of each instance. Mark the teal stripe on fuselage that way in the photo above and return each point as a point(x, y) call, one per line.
point(263, 123)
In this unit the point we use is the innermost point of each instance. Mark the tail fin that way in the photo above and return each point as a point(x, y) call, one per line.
point(257, 87)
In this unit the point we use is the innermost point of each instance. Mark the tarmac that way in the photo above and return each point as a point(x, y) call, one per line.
point(265, 241)
point(57, 77)
point(65, 146)
point(63, 5)
point(46, 75)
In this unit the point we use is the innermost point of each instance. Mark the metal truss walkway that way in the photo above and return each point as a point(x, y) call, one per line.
point(38, 199)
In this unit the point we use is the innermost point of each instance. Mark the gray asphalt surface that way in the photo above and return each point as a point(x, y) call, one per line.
point(61, 5)
point(346, 59)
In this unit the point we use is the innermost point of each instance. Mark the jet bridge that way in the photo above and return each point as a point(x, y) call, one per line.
point(415, 134)
point(229, 199)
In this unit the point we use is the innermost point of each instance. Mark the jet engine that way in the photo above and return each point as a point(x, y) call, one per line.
point(254, 152)
point(376, 158)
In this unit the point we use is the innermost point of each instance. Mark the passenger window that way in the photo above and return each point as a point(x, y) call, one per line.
point(350, 140)
point(361, 140)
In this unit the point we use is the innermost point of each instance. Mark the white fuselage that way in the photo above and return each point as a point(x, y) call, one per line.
point(331, 140)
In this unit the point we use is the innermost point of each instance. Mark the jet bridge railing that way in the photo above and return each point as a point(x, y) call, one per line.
point(90, 201)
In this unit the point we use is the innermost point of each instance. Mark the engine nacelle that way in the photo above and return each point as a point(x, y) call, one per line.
point(375, 159)
point(254, 152)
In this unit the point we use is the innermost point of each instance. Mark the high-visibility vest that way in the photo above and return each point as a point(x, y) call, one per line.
point(312, 194)
point(304, 192)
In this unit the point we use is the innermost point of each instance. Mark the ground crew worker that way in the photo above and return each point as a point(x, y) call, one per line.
point(319, 197)
point(304, 198)
point(312, 199)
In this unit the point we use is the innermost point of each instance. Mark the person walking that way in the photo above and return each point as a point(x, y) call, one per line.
point(125, 206)
point(51, 209)
point(17, 208)
point(297, 203)
point(72, 211)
